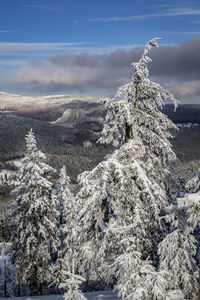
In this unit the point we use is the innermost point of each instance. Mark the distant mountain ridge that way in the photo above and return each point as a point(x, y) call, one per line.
point(185, 113)
point(46, 108)
point(67, 128)
point(69, 110)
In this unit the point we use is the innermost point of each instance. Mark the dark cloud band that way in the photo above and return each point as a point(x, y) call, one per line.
point(176, 67)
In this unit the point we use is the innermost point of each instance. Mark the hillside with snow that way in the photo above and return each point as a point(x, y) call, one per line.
point(67, 128)
point(57, 109)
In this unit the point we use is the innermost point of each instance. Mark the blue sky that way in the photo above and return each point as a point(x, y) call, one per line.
point(45, 37)
point(119, 22)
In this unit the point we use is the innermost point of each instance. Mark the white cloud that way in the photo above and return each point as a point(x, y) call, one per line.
point(183, 32)
point(4, 31)
point(175, 67)
point(186, 89)
point(46, 49)
point(173, 12)
point(37, 6)
point(17, 48)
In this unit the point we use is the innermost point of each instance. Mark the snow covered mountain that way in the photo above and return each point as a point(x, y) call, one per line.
point(68, 110)
point(58, 109)
point(67, 128)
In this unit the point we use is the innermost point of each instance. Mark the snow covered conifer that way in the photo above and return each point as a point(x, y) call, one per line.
point(33, 219)
point(116, 194)
point(67, 211)
point(72, 283)
point(67, 226)
point(191, 201)
point(177, 253)
point(128, 189)
point(137, 279)
point(134, 113)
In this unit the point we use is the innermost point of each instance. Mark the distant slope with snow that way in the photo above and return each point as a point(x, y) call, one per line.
point(63, 126)
point(48, 108)
point(17, 102)
point(61, 109)
point(67, 128)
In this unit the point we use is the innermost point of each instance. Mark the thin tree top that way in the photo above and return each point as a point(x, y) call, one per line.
point(140, 67)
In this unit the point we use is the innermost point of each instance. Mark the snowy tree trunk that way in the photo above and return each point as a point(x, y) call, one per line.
point(5, 279)
point(41, 288)
point(42, 279)
point(128, 133)
point(34, 288)
point(18, 290)
point(199, 282)
point(60, 269)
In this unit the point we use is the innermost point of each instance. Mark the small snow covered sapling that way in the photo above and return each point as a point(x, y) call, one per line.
point(177, 252)
point(72, 283)
point(178, 249)
point(137, 279)
point(191, 201)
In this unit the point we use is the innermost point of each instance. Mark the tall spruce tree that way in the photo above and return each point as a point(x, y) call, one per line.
point(125, 195)
point(34, 215)
point(68, 215)
point(67, 228)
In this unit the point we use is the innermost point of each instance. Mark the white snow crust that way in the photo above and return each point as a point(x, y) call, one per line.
point(101, 295)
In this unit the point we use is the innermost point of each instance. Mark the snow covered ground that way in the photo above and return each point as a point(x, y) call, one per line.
point(102, 295)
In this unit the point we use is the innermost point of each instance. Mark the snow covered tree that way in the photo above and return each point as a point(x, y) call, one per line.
point(33, 215)
point(128, 190)
point(193, 185)
point(191, 202)
point(68, 213)
point(4, 226)
point(67, 227)
point(7, 278)
point(137, 279)
point(117, 193)
point(72, 283)
point(177, 253)
point(134, 113)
